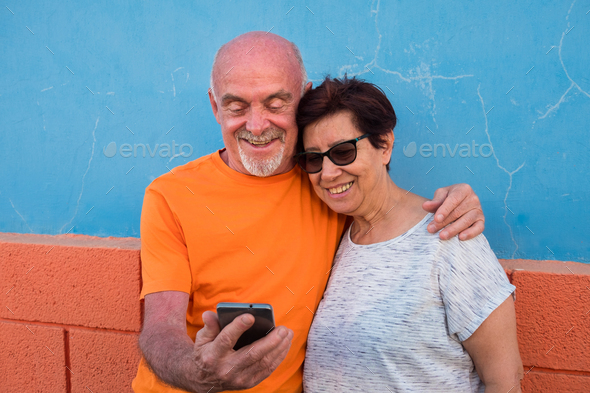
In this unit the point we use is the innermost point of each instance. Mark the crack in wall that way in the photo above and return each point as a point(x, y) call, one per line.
point(556, 106)
point(20, 215)
point(501, 167)
point(83, 177)
point(172, 76)
point(553, 108)
point(423, 73)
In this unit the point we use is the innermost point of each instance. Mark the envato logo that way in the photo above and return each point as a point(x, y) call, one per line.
point(165, 150)
point(464, 150)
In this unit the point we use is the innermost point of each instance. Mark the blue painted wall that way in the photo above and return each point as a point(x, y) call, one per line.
point(83, 83)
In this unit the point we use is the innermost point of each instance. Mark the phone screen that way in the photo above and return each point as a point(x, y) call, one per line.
point(263, 320)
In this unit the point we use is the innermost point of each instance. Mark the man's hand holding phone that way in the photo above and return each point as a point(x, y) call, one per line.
point(223, 368)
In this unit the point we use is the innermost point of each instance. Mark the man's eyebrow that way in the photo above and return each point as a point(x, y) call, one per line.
point(227, 98)
point(281, 94)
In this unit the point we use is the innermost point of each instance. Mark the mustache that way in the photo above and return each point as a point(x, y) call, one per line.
point(266, 136)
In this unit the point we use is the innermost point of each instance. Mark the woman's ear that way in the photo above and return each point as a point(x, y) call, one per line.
point(388, 138)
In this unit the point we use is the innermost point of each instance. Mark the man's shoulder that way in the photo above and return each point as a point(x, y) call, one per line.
point(182, 174)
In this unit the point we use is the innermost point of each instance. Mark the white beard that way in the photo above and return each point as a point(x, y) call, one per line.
point(258, 167)
point(262, 168)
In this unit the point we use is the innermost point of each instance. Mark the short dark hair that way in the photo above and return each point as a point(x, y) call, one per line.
point(372, 113)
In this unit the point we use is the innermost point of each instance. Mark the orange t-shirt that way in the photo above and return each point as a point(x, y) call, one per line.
point(222, 236)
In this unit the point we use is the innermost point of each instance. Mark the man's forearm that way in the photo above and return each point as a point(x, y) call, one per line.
point(169, 353)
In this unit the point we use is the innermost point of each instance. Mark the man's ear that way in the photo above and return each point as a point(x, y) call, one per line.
point(214, 106)
point(307, 87)
point(389, 138)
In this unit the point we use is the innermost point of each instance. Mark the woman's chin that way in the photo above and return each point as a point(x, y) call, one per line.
point(340, 203)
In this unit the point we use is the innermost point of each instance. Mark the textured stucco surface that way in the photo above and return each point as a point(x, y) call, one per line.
point(32, 359)
point(79, 296)
point(80, 281)
point(103, 361)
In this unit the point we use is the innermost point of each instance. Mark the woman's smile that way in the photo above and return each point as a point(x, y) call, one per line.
point(340, 189)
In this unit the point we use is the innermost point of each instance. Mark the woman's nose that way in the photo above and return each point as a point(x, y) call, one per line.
point(330, 171)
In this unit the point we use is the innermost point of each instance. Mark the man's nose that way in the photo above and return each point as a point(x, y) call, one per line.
point(330, 171)
point(256, 121)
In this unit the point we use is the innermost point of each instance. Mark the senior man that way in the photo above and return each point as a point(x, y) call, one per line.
point(244, 225)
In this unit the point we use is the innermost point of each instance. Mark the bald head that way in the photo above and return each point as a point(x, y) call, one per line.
point(258, 49)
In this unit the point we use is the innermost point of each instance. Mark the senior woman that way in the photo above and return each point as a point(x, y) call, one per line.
point(403, 311)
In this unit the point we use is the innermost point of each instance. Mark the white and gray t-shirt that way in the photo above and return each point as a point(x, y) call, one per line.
point(394, 314)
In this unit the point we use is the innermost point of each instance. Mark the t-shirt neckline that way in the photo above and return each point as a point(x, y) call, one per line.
point(395, 239)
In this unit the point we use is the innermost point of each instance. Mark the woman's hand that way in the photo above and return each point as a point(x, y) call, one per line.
point(459, 206)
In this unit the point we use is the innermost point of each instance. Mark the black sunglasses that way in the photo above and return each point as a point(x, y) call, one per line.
point(341, 154)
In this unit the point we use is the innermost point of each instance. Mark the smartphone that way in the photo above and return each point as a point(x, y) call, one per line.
point(264, 320)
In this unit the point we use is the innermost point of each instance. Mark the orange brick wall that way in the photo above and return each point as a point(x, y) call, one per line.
point(553, 320)
point(70, 316)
